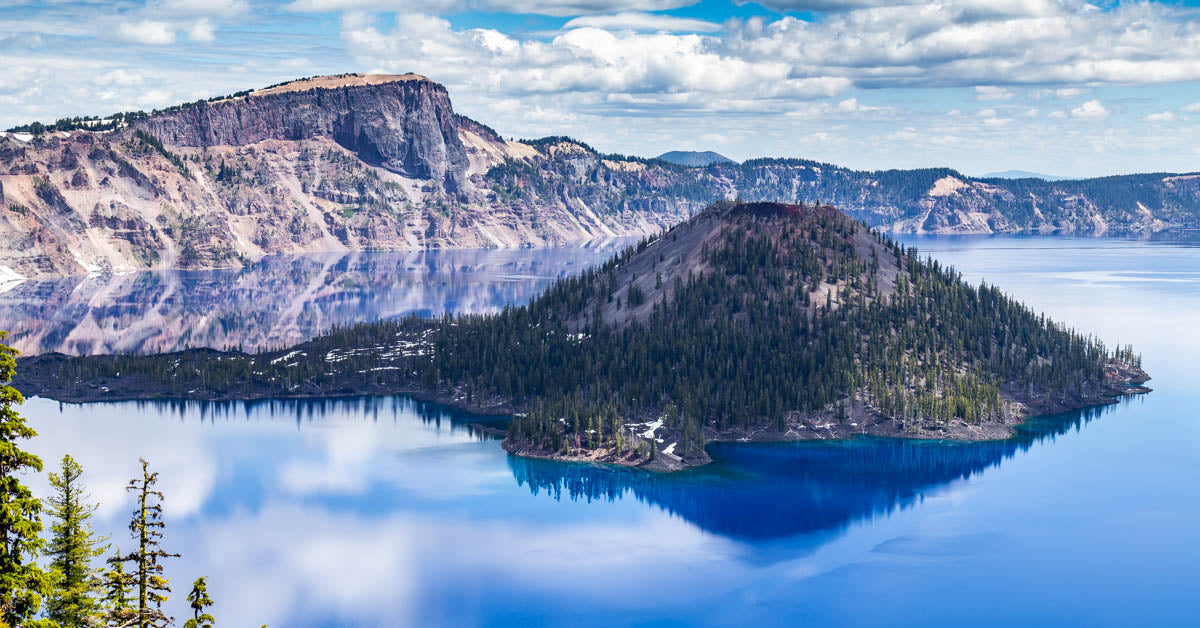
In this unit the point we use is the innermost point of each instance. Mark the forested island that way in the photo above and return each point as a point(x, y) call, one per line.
point(750, 321)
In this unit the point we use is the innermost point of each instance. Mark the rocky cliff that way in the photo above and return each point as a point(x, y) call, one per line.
point(403, 123)
point(356, 162)
point(328, 164)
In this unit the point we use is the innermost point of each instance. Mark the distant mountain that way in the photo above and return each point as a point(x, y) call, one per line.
point(1022, 174)
point(694, 158)
point(355, 161)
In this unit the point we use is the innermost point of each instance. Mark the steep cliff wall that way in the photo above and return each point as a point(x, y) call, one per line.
point(404, 123)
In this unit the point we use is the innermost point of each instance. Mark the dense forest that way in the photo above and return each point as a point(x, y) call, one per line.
point(749, 320)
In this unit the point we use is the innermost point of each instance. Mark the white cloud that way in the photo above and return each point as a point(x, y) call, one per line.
point(559, 8)
point(202, 30)
point(155, 98)
point(120, 77)
point(589, 66)
point(991, 92)
point(1192, 108)
point(644, 22)
point(146, 32)
point(1161, 116)
point(1090, 110)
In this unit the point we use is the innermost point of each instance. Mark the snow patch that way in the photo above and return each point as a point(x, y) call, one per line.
point(651, 428)
point(287, 357)
point(8, 274)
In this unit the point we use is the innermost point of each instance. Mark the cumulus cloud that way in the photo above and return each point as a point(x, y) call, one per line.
point(644, 22)
point(1161, 116)
point(202, 30)
point(1090, 110)
point(146, 32)
point(621, 69)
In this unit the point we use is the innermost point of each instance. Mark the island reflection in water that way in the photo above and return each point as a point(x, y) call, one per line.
point(751, 491)
point(763, 491)
point(277, 301)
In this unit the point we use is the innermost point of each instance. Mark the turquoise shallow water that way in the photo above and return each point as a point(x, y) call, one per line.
point(384, 512)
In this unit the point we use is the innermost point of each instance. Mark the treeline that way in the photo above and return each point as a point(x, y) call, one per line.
point(48, 575)
point(118, 120)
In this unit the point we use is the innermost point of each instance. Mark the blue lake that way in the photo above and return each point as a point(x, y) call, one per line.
point(386, 512)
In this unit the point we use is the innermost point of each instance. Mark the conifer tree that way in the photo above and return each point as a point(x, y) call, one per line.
point(23, 584)
point(72, 547)
point(118, 607)
point(199, 601)
point(146, 576)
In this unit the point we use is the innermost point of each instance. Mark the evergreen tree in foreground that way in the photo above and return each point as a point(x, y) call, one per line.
point(146, 575)
point(23, 584)
point(117, 604)
point(72, 547)
point(199, 601)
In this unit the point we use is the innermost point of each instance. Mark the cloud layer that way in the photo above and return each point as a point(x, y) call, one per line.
point(952, 72)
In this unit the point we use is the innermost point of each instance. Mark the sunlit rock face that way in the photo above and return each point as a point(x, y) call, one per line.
point(403, 123)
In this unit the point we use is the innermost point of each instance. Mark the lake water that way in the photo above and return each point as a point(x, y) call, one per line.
point(385, 512)
point(277, 301)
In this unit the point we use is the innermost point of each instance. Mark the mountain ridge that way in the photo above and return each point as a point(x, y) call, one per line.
point(351, 162)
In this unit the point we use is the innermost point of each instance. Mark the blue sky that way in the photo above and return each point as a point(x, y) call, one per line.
point(1058, 86)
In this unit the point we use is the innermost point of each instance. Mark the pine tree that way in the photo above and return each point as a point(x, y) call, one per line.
point(71, 549)
point(199, 601)
point(117, 584)
point(146, 528)
point(23, 584)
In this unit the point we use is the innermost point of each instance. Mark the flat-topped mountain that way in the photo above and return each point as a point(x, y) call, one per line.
point(354, 162)
point(748, 321)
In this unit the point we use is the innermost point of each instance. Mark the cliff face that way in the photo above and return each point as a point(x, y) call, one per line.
point(372, 161)
point(403, 123)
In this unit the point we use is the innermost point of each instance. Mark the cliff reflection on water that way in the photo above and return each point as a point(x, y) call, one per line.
point(276, 301)
point(763, 491)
